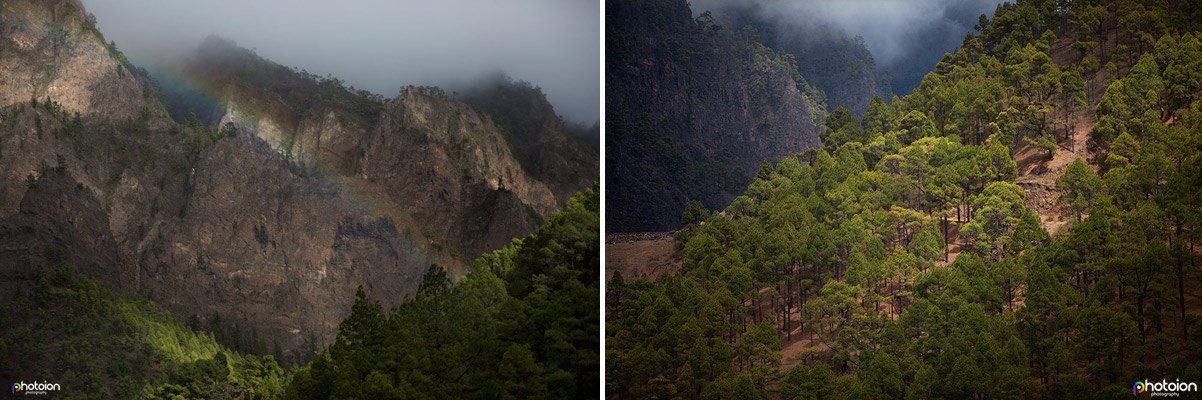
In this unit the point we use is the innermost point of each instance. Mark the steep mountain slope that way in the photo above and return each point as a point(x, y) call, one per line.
point(104, 345)
point(693, 109)
point(839, 65)
point(211, 225)
point(545, 146)
point(907, 258)
point(55, 215)
point(53, 50)
point(465, 172)
point(268, 224)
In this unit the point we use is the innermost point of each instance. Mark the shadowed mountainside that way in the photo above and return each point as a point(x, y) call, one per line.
point(267, 221)
point(693, 109)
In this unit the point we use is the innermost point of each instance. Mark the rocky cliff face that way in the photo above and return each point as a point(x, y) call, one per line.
point(834, 62)
point(450, 165)
point(263, 248)
point(60, 224)
point(308, 191)
point(693, 109)
point(312, 122)
point(50, 50)
point(538, 138)
point(53, 50)
point(432, 164)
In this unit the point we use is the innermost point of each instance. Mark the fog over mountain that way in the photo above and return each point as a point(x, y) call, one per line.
point(906, 37)
point(383, 45)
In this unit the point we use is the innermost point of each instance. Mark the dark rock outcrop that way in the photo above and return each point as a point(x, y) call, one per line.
point(268, 250)
point(693, 109)
point(538, 138)
point(60, 225)
point(834, 62)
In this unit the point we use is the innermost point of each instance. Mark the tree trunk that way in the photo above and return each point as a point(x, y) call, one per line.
point(775, 312)
point(1139, 313)
point(1181, 292)
point(946, 239)
point(755, 308)
point(730, 333)
point(788, 302)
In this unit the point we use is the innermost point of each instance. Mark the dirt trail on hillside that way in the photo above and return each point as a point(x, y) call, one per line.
point(1038, 173)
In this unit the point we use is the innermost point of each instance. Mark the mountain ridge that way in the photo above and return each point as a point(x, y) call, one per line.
point(234, 222)
point(839, 65)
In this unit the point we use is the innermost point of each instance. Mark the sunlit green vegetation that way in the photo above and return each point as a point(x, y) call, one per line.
point(98, 344)
point(904, 260)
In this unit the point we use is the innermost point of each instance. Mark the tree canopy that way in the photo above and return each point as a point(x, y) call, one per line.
point(911, 257)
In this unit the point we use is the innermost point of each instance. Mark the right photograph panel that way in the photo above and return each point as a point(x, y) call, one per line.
point(878, 199)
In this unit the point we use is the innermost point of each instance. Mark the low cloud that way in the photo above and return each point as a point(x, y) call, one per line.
point(381, 45)
point(906, 37)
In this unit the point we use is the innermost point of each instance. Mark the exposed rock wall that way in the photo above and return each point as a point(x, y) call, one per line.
point(693, 110)
point(450, 165)
point(443, 170)
point(50, 49)
point(269, 223)
point(60, 225)
point(264, 248)
point(538, 138)
point(834, 62)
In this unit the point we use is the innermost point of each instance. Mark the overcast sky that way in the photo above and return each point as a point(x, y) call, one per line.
point(906, 37)
point(381, 45)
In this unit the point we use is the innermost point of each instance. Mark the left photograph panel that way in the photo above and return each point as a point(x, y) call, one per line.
point(270, 200)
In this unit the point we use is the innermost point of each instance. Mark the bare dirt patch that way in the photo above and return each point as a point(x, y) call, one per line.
point(1044, 200)
point(1038, 173)
point(801, 345)
point(642, 255)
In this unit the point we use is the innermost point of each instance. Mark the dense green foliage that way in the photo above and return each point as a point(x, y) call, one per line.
point(97, 344)
point(902, 260)
point(523, 323)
